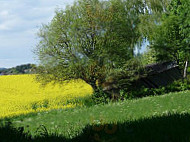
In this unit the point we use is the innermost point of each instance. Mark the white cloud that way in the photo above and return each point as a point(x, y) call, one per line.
point(4, 13)
point(8, 63)
point(19, 23)
point(4, 27)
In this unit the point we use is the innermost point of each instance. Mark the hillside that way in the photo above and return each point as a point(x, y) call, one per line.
point(2, 69)
point(158, 118)
point(21, 69)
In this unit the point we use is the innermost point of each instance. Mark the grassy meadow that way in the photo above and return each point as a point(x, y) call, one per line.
point(21, 94)
point(156, 118)
point(30, 112)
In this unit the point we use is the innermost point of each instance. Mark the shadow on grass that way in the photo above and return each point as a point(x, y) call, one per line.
point(170, 128)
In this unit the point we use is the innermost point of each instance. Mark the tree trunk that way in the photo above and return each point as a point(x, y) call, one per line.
point(185, 69)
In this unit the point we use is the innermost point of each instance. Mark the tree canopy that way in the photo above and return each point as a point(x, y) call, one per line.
point(171, 37)
point(91, 38)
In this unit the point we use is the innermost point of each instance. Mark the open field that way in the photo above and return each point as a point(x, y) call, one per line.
point(21, 94)
point(158, 118)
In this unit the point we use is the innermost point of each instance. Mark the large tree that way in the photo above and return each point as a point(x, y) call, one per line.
point(171, 37)
point(92, 38)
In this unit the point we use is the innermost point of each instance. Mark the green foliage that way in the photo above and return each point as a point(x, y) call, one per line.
point(184, 14)
point(148, 57)
point(170, 38)
point(122, 78)
point(21, 69)
point(100, 97)
point(167, 40)
point(188, 70)
point(90, 38)
point(176, 86)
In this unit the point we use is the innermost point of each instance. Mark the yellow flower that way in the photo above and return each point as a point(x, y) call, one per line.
point(21, 94)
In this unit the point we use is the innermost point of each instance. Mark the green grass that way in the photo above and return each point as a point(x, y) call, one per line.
point(158, 118)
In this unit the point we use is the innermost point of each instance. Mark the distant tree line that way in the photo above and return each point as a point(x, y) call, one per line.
point(21, 69)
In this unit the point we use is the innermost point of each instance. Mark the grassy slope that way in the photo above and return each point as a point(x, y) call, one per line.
point(158, 118)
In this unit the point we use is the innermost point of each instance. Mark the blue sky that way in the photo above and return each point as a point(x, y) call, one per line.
point(19, 23)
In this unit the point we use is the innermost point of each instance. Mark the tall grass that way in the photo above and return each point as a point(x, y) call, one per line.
point(158, 118)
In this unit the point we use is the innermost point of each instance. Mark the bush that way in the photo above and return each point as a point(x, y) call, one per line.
point(100, 97)
point(176, 86)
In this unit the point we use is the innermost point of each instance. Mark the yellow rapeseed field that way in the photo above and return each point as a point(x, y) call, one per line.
point(21, 94)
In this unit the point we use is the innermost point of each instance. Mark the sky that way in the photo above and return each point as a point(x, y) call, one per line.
point(20, 21)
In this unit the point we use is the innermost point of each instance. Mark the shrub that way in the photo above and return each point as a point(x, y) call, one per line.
point(176, 86)
point(100, 97)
